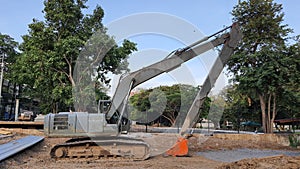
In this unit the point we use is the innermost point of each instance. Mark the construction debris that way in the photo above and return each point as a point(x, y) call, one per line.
point(4, 132)
point(15, 146)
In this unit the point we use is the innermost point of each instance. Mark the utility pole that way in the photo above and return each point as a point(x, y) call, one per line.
point(17, 110)
point(1, 78)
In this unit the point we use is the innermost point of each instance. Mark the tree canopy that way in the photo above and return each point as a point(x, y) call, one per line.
point(173, 104)
point(8, 55)
point(7, 45)
point(262, 65)
point(51, 48)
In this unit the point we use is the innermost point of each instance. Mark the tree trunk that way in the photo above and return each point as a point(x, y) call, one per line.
point(268, 119)
point(54, 108)
point(268, 111)
point(171, 118)
point(263, 112)
point(273, 111)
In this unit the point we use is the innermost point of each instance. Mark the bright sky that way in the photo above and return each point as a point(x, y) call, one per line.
point(209, 16)
point(198, 16)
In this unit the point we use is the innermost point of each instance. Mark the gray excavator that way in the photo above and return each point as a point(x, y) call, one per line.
point(98, 134)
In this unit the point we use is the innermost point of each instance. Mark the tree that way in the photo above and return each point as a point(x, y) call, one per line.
point(260, 64)
point(166, 104)
point(51, 48)
point(147, 105)
point(8, 46)
point(239, 107)
point(8, 51)
point(290, 97)
point(8, 54)
point(216, 110)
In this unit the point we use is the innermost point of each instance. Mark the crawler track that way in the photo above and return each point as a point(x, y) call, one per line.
point(102, 147)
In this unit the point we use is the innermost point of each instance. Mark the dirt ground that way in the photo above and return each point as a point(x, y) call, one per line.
point(38, 156)
point(275, 162)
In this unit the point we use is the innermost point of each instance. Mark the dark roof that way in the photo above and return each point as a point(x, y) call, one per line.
point(250, 123)
point(287, 121)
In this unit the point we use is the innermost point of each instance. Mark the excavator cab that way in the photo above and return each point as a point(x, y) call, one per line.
point(103, 106)
point(123, 125)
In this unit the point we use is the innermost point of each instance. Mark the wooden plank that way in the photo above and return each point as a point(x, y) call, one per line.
point(4, 132)
point(15, 146)
point(22, 122)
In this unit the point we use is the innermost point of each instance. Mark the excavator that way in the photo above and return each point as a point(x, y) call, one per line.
point(98, 134)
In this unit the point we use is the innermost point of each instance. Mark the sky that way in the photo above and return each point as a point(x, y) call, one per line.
point(209, 16)
point(183, 22)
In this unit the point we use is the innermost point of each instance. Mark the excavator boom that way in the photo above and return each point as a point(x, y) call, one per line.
point(172, 62)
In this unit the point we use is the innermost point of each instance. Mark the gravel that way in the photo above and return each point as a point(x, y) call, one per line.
point(239, 154)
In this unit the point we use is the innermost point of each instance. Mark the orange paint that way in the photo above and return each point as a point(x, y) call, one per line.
point(179, 149)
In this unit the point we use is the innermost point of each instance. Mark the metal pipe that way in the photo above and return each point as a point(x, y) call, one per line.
point(1, 78)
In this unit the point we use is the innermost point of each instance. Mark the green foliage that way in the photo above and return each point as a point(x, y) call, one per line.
point(216, 110)
point(290, 98)
point(259, 59)
point(294, 140)
point(169, 104)
point(51, 48)
point(147, 105)
point(239, 107)
point(262, 63)
point(8, 55)
point(8, 50)
point(8, 46)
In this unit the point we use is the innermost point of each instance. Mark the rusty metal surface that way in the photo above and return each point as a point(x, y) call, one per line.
point(13, 147)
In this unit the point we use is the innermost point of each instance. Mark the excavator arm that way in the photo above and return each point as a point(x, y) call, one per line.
point(175, 59)
point(212, 77)
point(181, 146)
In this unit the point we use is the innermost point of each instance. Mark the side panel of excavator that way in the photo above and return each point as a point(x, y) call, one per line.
point(72, 124)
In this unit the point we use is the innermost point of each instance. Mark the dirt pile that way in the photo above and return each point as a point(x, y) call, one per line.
point(206, 143)
point(276, 162)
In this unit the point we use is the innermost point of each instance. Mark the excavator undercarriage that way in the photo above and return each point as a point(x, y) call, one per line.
point(102, 147)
